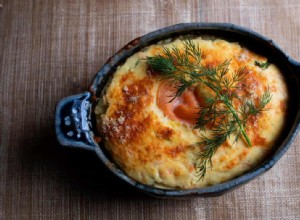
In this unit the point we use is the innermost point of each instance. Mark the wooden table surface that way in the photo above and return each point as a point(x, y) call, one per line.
point(50, 49)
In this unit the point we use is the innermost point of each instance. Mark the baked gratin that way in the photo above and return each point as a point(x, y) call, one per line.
point(164, 123)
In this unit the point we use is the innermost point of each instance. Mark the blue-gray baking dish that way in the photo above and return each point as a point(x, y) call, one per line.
point(75, 125)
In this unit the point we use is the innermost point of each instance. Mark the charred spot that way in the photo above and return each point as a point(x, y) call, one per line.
point(165, 133)
point(243, 155)
point(231, 164)
point(259, 140)
point(174, 151)
point(210, 64)
point(226, 144)
point(126, 77)
point(252, 120)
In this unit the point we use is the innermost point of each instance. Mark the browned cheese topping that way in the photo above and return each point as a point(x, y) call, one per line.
point(150, 138)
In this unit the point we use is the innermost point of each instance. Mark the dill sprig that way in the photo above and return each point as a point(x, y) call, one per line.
point(182, 68)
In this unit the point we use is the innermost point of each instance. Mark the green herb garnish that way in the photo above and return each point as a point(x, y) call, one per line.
point(262, 65)
point(182, 68)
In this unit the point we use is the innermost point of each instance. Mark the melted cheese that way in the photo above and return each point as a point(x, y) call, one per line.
point(155, 149)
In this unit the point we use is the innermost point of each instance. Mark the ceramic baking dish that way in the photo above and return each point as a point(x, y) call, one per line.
point(75, 124)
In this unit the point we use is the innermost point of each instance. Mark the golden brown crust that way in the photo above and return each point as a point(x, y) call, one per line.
point(126, 122)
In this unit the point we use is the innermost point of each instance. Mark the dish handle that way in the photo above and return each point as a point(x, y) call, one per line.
point(73, 122)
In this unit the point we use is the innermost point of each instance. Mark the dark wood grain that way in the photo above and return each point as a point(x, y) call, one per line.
point(50, 49)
